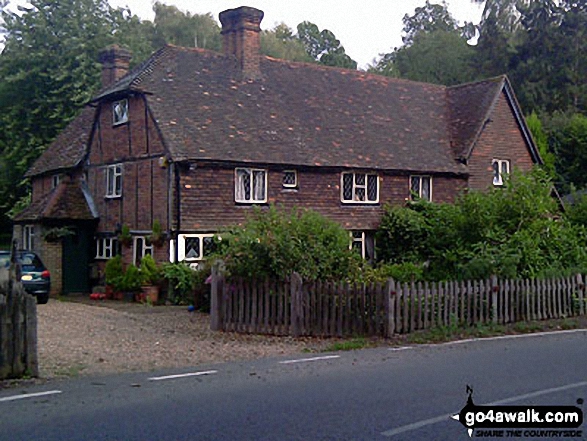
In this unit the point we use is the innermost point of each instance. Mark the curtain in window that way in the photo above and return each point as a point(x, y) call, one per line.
point(241, 193)
point(259, 185)
point(425, 188)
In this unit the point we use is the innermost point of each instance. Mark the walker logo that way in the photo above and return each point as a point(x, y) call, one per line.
point(520, 421)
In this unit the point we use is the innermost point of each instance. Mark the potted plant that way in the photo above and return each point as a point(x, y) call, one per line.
point(131, 282)
point(157, 236)
point(151, 278)
point(124, 237)
point(114, 273)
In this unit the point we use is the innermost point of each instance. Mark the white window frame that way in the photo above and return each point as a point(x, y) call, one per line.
point(181, 251)
point(55, 180)
point(114, 181)
point(106, 248)
point(28, 237)
point(290, 186)
point(419, 195)
point(146, 248)
point(498, 177)
point(356, 186)
point(360, 240)
point(239, 193)
point(119, 112)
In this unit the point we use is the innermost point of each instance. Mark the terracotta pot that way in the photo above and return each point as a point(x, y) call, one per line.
point(150, 293)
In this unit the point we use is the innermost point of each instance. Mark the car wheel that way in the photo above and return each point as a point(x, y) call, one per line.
point(42, 298)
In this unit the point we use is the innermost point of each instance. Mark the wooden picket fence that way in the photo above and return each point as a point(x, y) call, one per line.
point(300, 308)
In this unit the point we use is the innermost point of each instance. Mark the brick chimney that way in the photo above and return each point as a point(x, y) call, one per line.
point(115, 62)
point(241, 37)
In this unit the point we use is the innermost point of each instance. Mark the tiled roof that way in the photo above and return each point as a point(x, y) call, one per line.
point(68, 201)
point(69, 148)
point(301, 114)
point(297, 114)
point(469, 107)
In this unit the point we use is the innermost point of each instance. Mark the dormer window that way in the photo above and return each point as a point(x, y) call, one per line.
point(359, 188)
point(501, 167)
point(119, 112)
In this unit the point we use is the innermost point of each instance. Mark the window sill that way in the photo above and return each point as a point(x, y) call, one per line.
point(113, 197)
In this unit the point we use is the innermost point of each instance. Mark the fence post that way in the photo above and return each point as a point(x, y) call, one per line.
point(494, 291)
point(217, 289)
point(390, 294)
point(296, 304)
point(581, 286)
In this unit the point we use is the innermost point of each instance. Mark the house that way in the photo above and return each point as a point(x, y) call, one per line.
point(192, 140)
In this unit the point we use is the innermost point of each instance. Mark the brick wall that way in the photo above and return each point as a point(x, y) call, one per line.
point(207, 195)
point(138, 147)
point(501, 139)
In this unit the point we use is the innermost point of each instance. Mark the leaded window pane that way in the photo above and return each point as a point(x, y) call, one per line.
point(372, 187)
point(208, 245)
point(120, 112)
point(192, 247)
point(359, 194)
point(289, 178)
point(347, 186)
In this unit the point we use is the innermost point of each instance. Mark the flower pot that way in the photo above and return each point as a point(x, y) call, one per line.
point(150, 293)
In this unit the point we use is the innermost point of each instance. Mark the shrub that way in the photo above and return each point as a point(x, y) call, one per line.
point(131, 281)
point(113, 272)
point(150, 273)
point(274, 243)
point(182, 280)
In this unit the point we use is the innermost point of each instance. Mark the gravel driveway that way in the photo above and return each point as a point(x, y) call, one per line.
point(106, 337)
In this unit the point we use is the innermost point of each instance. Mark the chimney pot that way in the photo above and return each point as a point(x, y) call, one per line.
point(241, 28)
point(115, 64)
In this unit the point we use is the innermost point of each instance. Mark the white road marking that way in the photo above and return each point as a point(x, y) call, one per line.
point(504, 337)
point(401, 348)
point(189, 374)
point(419, 424)
point(35, 395)
point(304, 360)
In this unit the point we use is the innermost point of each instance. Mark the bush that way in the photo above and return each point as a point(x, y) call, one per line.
point(150, 273)
point(113, 272)
point(131, 281)
point(513, 231)
point(274, 243)
point(182, 280)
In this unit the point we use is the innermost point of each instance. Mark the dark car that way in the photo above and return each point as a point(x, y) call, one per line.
point(35, 277)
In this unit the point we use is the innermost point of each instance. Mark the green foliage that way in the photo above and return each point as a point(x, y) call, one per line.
point(274, 243)
point(182, 280)
point(514, 231)
point(323, 46)
point(427, 19)
point(114, 271)
point(541, 139)
point(568, 138)
point(150, 273)
point(173, 26)
point(281, 43)
point(131, 280)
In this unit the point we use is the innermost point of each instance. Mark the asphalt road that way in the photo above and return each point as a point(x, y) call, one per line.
point(375, 394)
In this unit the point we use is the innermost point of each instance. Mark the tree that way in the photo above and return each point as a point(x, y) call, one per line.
point(49, 70)
point(184, 29)
point(280, 42)
point(323, 46)
point(435, 49)
point(427, 19)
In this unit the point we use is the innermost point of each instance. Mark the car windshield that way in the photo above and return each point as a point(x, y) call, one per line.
point(4, 260)
point(30, 262)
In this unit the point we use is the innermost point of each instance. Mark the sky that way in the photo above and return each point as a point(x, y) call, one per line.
point(365, 28)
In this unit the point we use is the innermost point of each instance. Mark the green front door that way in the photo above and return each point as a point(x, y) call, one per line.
point(76, 261)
